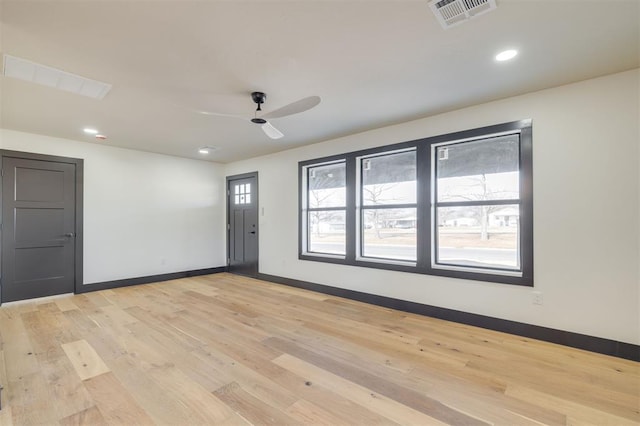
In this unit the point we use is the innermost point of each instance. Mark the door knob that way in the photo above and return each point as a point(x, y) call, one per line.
point(252, 232)
point(69, 235)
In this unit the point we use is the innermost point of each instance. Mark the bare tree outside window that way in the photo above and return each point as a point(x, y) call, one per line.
point(378, 194)
point(326, 199)
point(475, 181)
point(388, 191)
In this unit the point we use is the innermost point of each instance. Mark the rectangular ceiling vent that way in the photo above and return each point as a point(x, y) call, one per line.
point(453, 12)
point(51, 77)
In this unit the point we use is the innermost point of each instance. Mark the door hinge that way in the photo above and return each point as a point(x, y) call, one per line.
point(228, 193)
point(2, 173)
point(228, 227)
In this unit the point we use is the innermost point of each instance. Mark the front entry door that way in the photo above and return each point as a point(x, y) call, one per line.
point(38, 228)
point(242, 227)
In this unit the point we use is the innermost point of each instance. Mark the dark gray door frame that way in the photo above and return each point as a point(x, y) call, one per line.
point(228, 218)
point(79, 163)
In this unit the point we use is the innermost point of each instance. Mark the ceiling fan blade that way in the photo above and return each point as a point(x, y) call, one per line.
point(220, 114)
point(294, 108)
point(271, 131)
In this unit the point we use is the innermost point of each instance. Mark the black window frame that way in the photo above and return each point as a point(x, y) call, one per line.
point(306, 207)
point(425, 222)
point(362, 208)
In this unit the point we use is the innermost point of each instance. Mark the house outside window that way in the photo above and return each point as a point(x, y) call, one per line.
point(476, 189)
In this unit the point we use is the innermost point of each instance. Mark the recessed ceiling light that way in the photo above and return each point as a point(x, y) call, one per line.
point(101, 137)
point(506, 55)
point(208, 149)
point(90, 131)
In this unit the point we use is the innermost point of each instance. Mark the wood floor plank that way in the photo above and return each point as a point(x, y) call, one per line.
point(29, 401)
point(380, 404)
point(114, 403)
point(6, 418)
point(208, 372)
point(84, 359)
point(405, 396)
point(342, 409)
point(48, 329)
point(166, 393)
point(258, 376)
point(250, 407)
point(305, 412)
point(253, 379)
point(452, 388)
point(577, 413)
point(84, 302)
point(81, 322)
point(156, 397)
point(200, 405)
point(5, 413)
point(3, 368)
point(554, 383)
point(113, 316)
point(91, 416)
point(230, 350)
point(18, 350)
point(66, 303)
point(149, 395)
point(471, 396)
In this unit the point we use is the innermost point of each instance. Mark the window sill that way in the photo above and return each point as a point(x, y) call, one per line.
point(469, 269)
point(410, 263)
point(490, 276)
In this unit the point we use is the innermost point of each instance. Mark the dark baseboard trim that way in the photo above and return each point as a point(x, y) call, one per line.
point(149, 279)
point(580, 341)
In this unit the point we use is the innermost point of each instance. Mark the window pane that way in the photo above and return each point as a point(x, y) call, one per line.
point(479, 236)
point(248, 198)
point(327, 232)
point(389, 234)
point(247, 188)
point(327, 186)
point(486, 169)
point(389, 179)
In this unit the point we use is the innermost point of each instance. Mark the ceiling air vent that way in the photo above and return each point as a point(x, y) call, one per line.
point(47, 76)
point(454, 12)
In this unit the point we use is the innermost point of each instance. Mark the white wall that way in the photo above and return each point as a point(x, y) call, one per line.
point(144, 214)
point(586, 211)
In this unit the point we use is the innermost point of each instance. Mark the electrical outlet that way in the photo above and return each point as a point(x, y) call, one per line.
point(537, 298)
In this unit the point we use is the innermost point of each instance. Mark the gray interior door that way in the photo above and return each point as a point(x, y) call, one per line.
point(243, 225)
point(38, 223)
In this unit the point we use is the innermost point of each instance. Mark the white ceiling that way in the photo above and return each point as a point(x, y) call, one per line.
point(373, 63)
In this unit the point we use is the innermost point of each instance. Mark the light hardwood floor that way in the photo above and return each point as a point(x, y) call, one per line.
point(223, 349)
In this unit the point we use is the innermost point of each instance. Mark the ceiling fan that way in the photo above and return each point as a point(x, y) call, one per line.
point(259, 98)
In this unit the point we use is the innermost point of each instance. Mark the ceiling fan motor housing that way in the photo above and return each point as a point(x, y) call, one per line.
point(259, 98)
